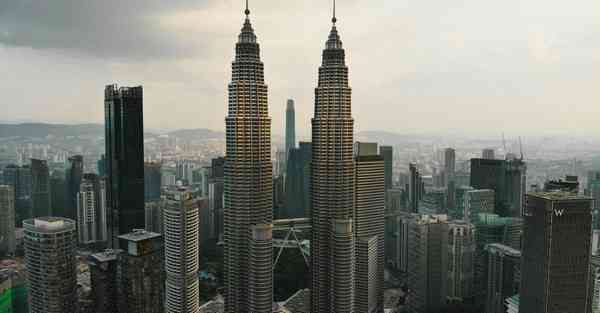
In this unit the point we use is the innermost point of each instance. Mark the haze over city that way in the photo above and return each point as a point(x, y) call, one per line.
point(486, 67)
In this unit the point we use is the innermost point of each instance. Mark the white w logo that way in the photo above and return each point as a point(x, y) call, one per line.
point(559, 212)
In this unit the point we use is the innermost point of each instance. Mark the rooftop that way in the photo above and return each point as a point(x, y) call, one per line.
point(106, 255)
point(558, 196)
point(505, 249)
point(139, 235)
point(49, 224)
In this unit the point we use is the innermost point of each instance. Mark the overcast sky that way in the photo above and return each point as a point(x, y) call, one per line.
point(472, 66)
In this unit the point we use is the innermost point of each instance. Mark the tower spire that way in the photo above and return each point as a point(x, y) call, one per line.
point(247, 12)
point(333, 19)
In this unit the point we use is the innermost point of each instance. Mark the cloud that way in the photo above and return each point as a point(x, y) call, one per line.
point(107, 28)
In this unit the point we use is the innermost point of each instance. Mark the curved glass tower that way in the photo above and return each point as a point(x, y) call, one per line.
point(248, 183)
point(332, 184)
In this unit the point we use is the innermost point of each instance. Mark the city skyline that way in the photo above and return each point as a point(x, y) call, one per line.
point(538, 62)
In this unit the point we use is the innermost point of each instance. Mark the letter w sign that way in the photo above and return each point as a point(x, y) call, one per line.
point(559, 212)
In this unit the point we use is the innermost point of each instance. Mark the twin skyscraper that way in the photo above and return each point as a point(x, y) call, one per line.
point(248, 186)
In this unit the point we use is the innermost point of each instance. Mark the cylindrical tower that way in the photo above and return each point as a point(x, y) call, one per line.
point(332, 174)
point(180, 216)
point(261, 269)
point(50, 244)
point(342, 273)
point(248, 177)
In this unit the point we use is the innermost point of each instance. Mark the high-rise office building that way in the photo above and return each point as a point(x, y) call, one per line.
point(7, 220)
point(248, 180)
point(387, 152)
point(488, 154)
point(332, 183)
point(594, 192)
point(181, 252)
point(449, 164)
point(215, 207)
point(369, 228)
point(555, 271)
point(504, 276)
point(152, 181)
point(51, 264)
point(595, 283)
point(458, 211)
point(141, 273)
point(506, 178)
point(124, 125)
point(154, 217)
point(297, 182)
point(40, 188)
point(428, 263)
point(103, 278)
point(491, 228)
point(396, 242)
point(184, 171)
point(478, 201)
point(101, 166)
point(461, 258)
point(91, 210)
point(19, 177)
point(415, 188)
point(58, 193)
point(73, 177)
point(290, 126)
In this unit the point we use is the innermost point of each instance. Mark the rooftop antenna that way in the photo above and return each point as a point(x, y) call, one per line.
point(247, 9)
point(521, 147)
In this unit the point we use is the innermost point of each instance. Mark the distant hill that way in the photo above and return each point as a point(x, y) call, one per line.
point(197, 134)
point(40, 130)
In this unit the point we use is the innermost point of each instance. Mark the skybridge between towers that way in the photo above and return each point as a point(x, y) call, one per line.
point(295, 233)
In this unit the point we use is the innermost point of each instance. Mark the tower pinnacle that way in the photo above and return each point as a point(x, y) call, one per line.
point(247, 12)
point(333, 19)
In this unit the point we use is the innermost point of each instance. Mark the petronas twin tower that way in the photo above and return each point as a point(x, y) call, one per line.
point(249, 188)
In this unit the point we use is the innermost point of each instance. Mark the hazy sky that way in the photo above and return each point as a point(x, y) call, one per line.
point(483, 66)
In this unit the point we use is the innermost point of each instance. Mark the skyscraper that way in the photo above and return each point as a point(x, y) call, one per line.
point(556, 253)
point(181, 252)
point(19, 177)
point(387, 152)
point(428, 263)
point(504, 275)
point(332, 183)
point(478, 201)
point(141, 273)
point(91, 210)
point(449, 163)
point(369, 228)
point(297, 181)
point(248, 181)
point(491, 228)
point(51, 264)
point(152, 180)
point(415, 188)
point(488, 154)
point(103, 278)
point(461, 252)
point(40, 188)
point(58, 193)
point(7, 220)
point(290, 126)
point(508, 180)
point(124, 125)
point(74, 175)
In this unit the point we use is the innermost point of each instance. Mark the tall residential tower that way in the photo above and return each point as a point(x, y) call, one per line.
point(248, 183)
point(332, 183)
